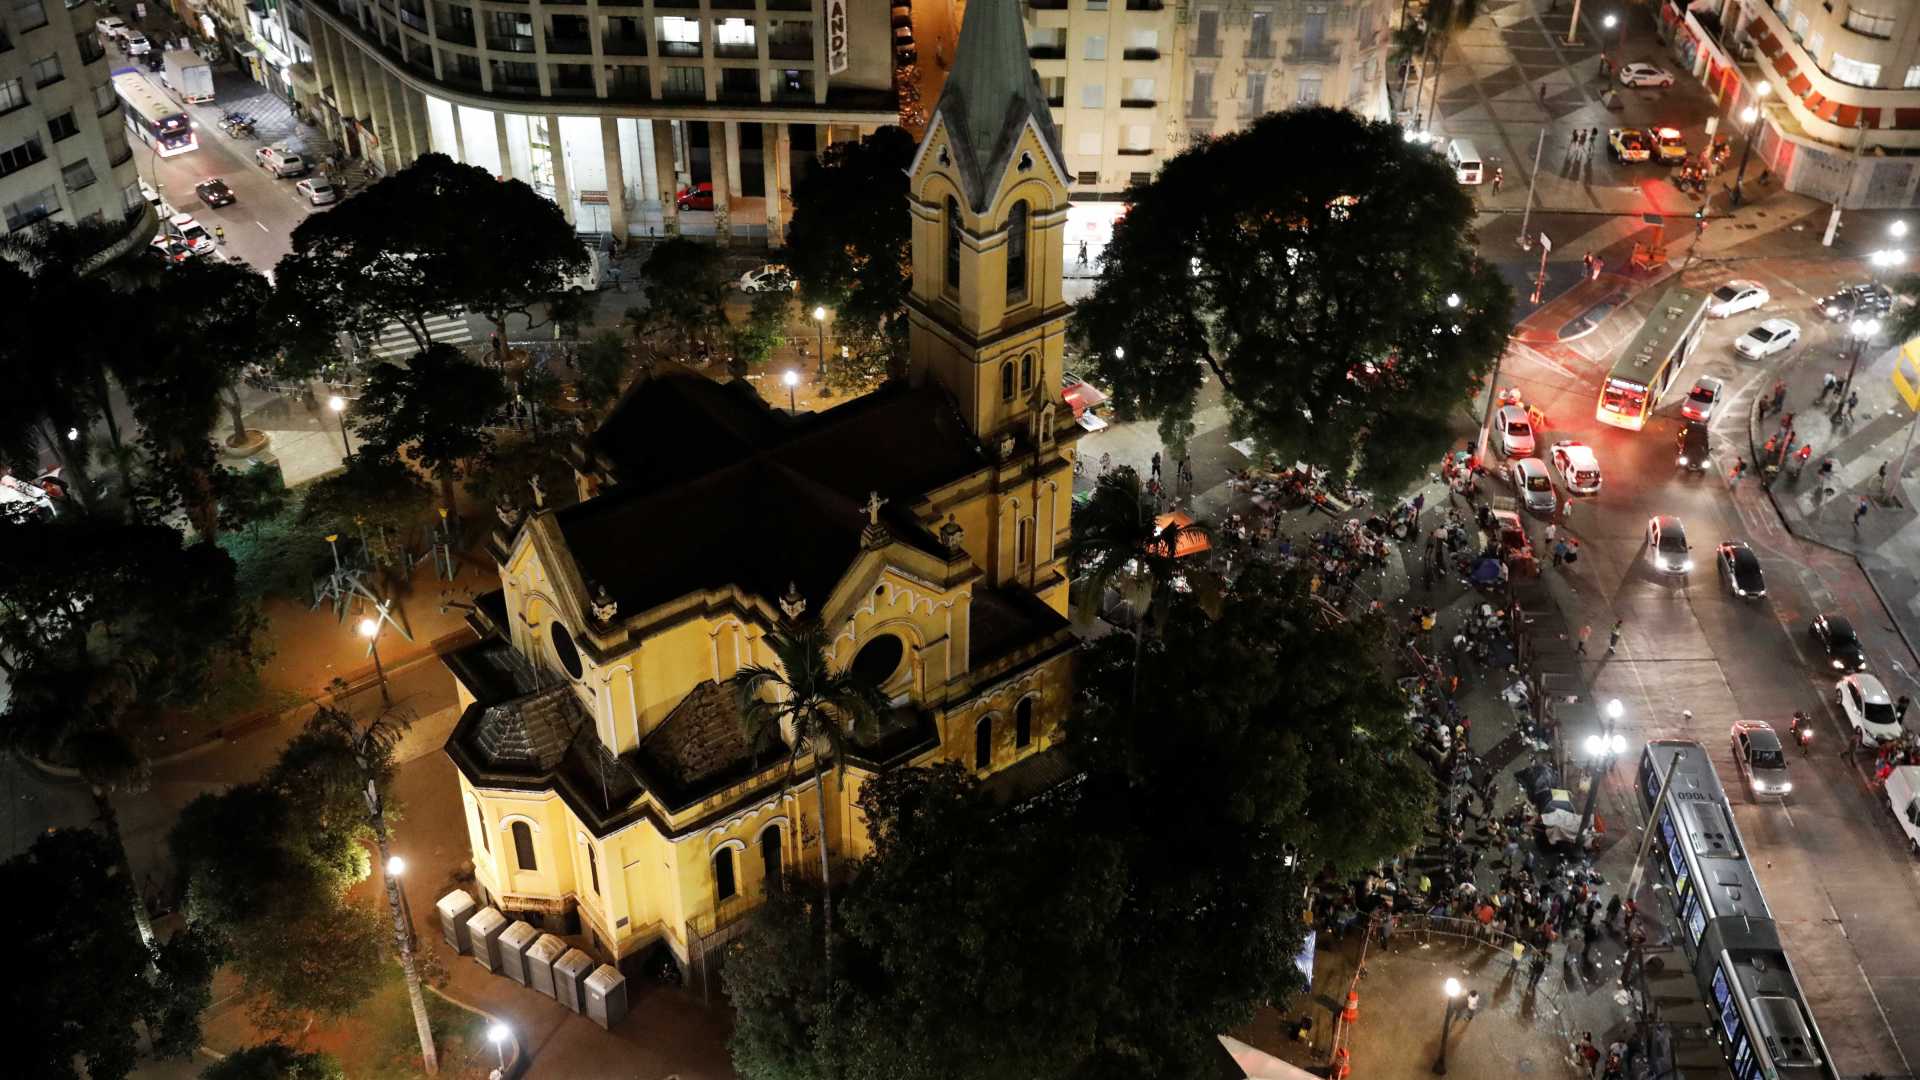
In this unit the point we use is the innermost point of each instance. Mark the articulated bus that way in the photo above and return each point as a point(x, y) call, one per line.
point(1650, 364)
point(1760, 1014)
point(153, 117)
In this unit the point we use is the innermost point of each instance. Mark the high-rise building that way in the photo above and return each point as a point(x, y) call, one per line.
point(64, 150)
point(637, 119)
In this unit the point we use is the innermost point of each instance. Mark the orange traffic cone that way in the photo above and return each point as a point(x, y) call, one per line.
point(1351, 1014)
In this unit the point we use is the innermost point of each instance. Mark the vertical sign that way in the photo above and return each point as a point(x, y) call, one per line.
point(836, 36)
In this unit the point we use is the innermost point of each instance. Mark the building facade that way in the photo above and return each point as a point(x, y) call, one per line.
point(610, 787)
point(65, 153)
point(1133, 82)
point(612, 110)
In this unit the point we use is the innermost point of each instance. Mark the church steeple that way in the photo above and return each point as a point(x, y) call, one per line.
point(989, 194)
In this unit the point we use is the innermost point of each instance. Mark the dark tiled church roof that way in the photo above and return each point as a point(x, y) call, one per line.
point(703, 745)
point(530, 732)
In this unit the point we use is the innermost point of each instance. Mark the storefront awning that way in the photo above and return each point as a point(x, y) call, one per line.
point(303, 78)
point(1784, 65)
point(1763, 39)
point(1799, 84)
point(1846, 115)
point(1906, 119)
point(1191, 542)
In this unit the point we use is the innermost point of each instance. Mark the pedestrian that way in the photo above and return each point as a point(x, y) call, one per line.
point(1499, 178)
point(1156, 464)
point(1586, 631)
point(1473, 1004)
point(219, 235)
point(1589, 936)
point(1786, 422)
point(1613, 909)
point(1853, 401)
point(1083, 253)
point(1613, 638)
point(1589, 1053)
point(1560, 553)
point(1860, 512)
point(1739, 470)
point(1829, 382)
point(1900, 708)
point(1599, 264)
point(1632, 910)
point(1536, 970)
point(1543, 93)
point(1772, 444)
point(1883, 474)
point(1519, 954)
point(1805, 452)
point(1566, 509)
point(1553, 532)
point(1779, 395)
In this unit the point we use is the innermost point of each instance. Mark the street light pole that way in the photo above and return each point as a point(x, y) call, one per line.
point(1452, 990)
point(1862, 330)
point(339, 406)
point(1752, 116)
point(1573, 28)
point(820, 320)
point(1602, 749)
point(370, 629)
point(792, 379)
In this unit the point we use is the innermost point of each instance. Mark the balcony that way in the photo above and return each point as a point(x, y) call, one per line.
point(1145, 5)
point(680, 48)
point(1134, 151)
point(1261, 49)
point(571, 46)
point(1047, 52)
point(1311, 50)
point(1047, 5)
point(1200, 109)
point(1206, 47)
point(624, 46)
point(1138, 103)
point(455, 34)
point(1140, 54)
point(520, 43)
point(735, 50)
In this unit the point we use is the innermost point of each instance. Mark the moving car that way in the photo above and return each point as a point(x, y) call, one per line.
point(136, 43)
point(1740, 569)
point(1692, 449)
point(280, 161)
point(1868, 709)
point(697, 197)
point(1579, 470)
point(1639, 74)
point(1629, 145)
point(1762, 759)
point(1536, 489)
point(191, 233)
point(110, 27)
point(1772, 336)
point(1669, 146)
point(214, 191)
point(770, 276)
point(1515, 431)
point(1735, 297)
point(169, 250)
point(1700, 401)
point(1838, 643)
point(1667, 545)
point(1860, 301)
point(317, 190)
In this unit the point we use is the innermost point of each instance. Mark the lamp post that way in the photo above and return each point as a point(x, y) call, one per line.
point(1620, 21)
point(1602, 749)
point(791, 379)
point(339, 406)
point(397, 866)
point(1614, 710)
point(1452, 990)
point(820, 320)
point(1862, 331)
point(370, 629)
point(1573, 26)
point(1751, 116)
point(497, 1035)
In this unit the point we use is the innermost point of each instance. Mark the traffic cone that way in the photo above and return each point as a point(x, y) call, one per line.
point(1351, 1014)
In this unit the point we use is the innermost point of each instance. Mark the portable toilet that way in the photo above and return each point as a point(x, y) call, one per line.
point(569, 973)
point(540, 960)
point(483, 936)
point(514, 942)
point(455, 909)
point(606, 992)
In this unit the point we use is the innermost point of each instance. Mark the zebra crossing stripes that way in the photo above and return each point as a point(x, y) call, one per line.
point(394, 340)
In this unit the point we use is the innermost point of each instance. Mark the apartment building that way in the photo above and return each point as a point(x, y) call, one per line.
point(1132, 82)
point(64, 152)
point(615, 111)
point(1842, 118)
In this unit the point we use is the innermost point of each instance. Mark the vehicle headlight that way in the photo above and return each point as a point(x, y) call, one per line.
point(1839, 663)
point(1686, 564)
point(1784, 787)
point(1833, 312)
point(1683, 459)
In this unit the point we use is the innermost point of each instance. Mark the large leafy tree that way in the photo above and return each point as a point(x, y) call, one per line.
point(849, 243)
point(686, 287)
point(67, 900)
point(437, 412)
point(1318, 297)
point(433, 238)
point(274, 1060)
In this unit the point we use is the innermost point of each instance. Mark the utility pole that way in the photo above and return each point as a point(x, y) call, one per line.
point(1833, 219)
point(1527, 214)
point(1653, 825)
point(1573, 27)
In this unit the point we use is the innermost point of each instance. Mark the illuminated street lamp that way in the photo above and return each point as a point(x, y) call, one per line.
point(339, 406)
point(820, 320)
point(791, 379)
point(1452, 990)
point(497, 1035)
point(1602, 749)
point(370, 629)
point(1862, 331)
point(397, 866)
point(1453, 299)
point(1751, 117)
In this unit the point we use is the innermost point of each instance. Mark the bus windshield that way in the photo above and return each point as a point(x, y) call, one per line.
point(1623, 397)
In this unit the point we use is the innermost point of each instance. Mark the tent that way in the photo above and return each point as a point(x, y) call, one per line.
point(1558, 819)
point(1191, 542)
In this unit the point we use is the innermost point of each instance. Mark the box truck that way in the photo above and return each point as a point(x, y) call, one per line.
point(188, 76)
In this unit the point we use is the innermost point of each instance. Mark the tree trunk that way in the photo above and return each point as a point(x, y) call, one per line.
point(103, 391)
point(110, 821)
point(234, 411)
point(203, 509)
point(403, 942)
point(74, 471)
point(446, 492)
point(826, 874)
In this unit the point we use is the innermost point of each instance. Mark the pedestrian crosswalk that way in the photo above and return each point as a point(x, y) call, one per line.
point(394, 342)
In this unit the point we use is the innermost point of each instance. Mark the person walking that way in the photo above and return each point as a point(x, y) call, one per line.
point(1772, 444)
point(1536, 970)
point(1900, 708)
point(1613, 638)
point(1473, 1004)
point(1853, 402)
point(1499, 178)
point(1779, 395)
point(1156, 464)
point(1739, 470)
point(1613, 910)
point(1586, 631)
point(1860, 511)
point(1829, 382)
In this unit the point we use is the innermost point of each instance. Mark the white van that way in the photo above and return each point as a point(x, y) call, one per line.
point(280, 161)
point(1903, 794)
point(588, 279)
point(1464, 159)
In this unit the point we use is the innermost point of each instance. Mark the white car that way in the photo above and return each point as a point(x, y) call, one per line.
point(770, 276)
point(1702, 399)
point(280, 162)
point(137, 43)
point(1515, 431)
point(317, 190)
point(1868, 709)
point(1638, 74)
point(191, 233)
point(1579, 469)
point(1530, 479)
point(1772, 336)
point(110, 27)
point(1737, 296)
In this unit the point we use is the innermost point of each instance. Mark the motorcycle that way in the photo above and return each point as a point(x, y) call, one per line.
point(1802, 730)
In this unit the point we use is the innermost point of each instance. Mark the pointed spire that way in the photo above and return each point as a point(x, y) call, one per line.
point(989, 95)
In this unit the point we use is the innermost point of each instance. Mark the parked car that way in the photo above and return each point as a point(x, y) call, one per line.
point(136, 43)
point(1868, 709)
point(214, 191)
point(317, 190)
point(1514, 431)
point(1903, 796)
point(1701, 400)
point(192, 233)
point(1839, 645)
point(1772, 336)
point(1629, 146)
point(697, 197)
point(1735, 297)
point(1579, 469)
point(109, 28)
point(1669, 146)
point(1762, 760)
point(169, 250)
point(1535, 488)
point(770, 276)
point(1861, 301)
point(1639, 74)
point(280, 161)
point(1740, 569)
point(1667, 545)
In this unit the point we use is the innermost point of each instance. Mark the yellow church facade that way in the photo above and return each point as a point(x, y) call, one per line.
point(612, 792)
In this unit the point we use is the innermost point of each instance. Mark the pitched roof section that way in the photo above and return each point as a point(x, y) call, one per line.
point(990, 95)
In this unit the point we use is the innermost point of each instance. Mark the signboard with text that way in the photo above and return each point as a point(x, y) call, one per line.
point(836, 36)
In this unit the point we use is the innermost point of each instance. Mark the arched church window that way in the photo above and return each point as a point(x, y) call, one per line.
point(1006, 381)
point(1017, 253)
point(1026, 372)
point(953, 245)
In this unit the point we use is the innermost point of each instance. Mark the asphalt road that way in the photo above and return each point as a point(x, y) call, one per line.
point(1835, 870)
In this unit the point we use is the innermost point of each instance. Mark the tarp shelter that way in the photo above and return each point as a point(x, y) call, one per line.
point(1558, 819)
point(1191, 542)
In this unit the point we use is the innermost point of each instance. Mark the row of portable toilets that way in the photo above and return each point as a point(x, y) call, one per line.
point(535, 960)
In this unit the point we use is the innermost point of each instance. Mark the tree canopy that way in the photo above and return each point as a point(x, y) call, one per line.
point(1317, 296)
point(686, 287)
point(436, 411)
point(274, 1060)
point(849, 244)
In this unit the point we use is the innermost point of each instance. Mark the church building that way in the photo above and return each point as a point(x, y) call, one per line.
point(611, 789)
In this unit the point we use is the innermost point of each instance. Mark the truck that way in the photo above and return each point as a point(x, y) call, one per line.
point(188, 76)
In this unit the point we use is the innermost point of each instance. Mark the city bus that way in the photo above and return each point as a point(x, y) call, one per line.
point(1653, 360)
point(153, 117)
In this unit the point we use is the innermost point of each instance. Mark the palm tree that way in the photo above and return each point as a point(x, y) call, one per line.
point(1118, 542)
point(1903, 321)
point(804, 701)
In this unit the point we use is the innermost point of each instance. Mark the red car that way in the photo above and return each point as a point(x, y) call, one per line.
point(697, 197)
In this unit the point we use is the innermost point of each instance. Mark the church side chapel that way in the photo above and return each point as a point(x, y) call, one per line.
point(611, 788)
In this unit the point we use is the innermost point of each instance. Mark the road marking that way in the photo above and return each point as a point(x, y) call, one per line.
point(263, 228)
point(1905, 1065)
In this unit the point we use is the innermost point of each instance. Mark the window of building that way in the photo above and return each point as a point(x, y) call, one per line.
point(133, 199)
point(1026, 372)
point(771, 875)
point(1140, 89)
point(675, 28)
point(523, 846)
point(1090, 143)
point(78, 175)
point(1260, 34)
point(1854, 72)
point(1096, 5)
point(564, 649)
point(46, 70)
point(1816, 44)
point(1256, 92)
point(104, 99)
point(1006, 381)
point(29, 15)
point(953, 245)
point(1023, 723)
point(1309, 90)
point(1313, 28)
point(734, 37)
point(1093, 95)
point(1022, 541)
point(685, 83)
point(1143, 45)
point(983, 743)
point(1137, 138)
point(1207, 34)
point(13, 94)
point(20, 155)
point(24, 212)
point(1798, 26)
point(1055, 89)
point(1869, 23)
point(1913, 77)
point(593, 868)
point(1017, 271)
point(1086, 178)
point(1096, 47)
point(878, 661)
point(723, 886)
point(480, 819)
point(63, 126)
